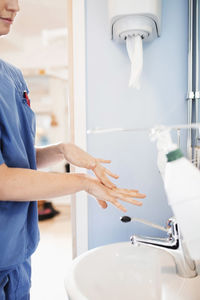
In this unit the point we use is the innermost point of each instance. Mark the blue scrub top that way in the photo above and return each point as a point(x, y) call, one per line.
point(19, 234)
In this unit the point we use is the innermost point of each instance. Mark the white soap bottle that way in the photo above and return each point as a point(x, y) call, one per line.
point(182, 185)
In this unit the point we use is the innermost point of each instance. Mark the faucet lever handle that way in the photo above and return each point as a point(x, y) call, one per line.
point(173, 228)
point(127, 219)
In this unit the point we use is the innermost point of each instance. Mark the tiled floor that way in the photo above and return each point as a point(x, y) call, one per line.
point(50, 261)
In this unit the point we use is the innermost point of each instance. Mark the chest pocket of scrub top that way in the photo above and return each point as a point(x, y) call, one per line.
point(29, 117)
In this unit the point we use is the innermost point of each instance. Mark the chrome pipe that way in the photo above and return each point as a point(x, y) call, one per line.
point(190, 93)
point(197, 92)
point(189, 136)
point(190, 50)
point(178, 132)
point(147, 129)
point(197, 46)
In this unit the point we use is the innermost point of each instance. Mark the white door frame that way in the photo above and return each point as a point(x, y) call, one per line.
point(80, 206)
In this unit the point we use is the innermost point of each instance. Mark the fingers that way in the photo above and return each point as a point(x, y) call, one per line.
point(100, 169)
point(127, 190)
point(130, 193)
point(119, 206)
point(101, 175)
point(111, 174)
point(104, 161)
point(102, 203)
point(125, 198)
point(132, 201)
point(113, 197)
point(107, 182)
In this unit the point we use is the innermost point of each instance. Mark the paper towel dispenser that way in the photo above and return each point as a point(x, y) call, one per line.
point(135, 21)
point(132, 17)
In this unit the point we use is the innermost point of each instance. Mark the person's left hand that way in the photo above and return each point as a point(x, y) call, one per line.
point(102, 173)
point(78, 157)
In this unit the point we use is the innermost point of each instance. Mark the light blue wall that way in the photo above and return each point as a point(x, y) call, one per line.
point(111, 103)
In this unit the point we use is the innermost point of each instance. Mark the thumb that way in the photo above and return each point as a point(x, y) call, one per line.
point(103, 204)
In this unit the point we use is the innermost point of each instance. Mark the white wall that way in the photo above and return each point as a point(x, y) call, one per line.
point(110, 103)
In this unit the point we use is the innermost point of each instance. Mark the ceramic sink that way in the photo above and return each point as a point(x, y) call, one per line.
point(122, 271)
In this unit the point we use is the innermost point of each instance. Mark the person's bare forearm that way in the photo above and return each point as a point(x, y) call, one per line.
point(49, 155)
point(18, 184)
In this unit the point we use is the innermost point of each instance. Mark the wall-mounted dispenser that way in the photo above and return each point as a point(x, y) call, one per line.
point(135, 21)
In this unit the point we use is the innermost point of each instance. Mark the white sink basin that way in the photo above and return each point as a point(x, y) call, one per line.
point(124, 272)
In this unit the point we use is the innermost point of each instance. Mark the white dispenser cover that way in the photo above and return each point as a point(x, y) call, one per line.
point(151, 9)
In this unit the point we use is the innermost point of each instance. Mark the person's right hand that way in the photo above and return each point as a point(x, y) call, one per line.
point(104, 194)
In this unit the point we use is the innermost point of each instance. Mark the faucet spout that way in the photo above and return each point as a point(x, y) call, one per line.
point(174, 245)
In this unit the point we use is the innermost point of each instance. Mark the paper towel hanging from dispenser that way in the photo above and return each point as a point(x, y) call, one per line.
point(135, 21)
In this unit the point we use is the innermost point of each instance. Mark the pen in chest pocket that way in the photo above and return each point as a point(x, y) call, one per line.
point(25, 95)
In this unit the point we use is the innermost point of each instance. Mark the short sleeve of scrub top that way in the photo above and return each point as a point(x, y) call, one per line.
point(1, 157)
point(19, 234)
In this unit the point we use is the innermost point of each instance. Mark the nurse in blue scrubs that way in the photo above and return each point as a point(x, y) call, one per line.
point(21, 185)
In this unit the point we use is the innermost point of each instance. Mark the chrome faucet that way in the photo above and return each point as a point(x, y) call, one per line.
point(174, 245)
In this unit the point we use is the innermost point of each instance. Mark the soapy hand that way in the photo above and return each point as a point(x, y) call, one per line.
point(103, 194)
